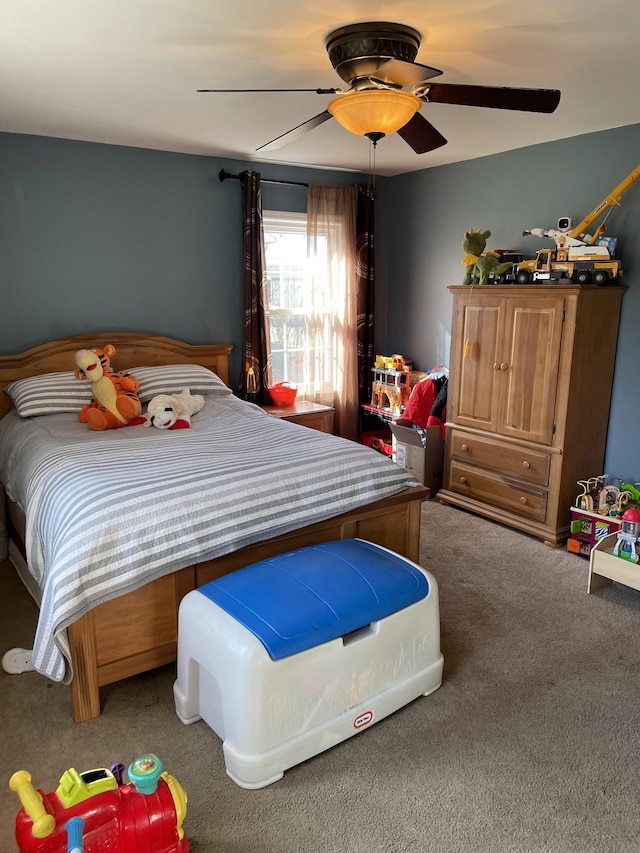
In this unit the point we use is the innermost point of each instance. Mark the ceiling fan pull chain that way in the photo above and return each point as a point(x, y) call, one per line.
point(372, 167)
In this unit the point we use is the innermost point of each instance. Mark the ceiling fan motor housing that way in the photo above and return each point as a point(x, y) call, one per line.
point(358, 50)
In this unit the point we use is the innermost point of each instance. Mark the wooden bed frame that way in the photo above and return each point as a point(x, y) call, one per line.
point(138, 630)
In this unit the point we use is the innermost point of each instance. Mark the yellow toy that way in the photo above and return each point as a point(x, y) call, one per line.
point(391, 383)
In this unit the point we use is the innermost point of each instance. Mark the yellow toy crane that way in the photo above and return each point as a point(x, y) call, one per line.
point(577, 256)
point(608, 203)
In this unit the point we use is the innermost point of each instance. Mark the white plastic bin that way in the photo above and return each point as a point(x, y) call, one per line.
point(290, 656)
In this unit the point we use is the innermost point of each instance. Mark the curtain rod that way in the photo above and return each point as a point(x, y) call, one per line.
point(223, 175)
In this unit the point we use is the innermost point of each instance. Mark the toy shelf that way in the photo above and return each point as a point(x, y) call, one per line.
point(604, 567)
point(587, 528)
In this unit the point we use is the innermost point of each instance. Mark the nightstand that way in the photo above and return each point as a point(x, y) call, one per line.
point(313, 415)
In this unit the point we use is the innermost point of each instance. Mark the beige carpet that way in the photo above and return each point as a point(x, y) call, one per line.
point(531, 744)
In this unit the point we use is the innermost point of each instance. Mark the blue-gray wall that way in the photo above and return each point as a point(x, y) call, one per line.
point(98, 237)
point(506, 193)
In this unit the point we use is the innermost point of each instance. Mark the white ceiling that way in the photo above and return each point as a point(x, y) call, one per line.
point(126, 72)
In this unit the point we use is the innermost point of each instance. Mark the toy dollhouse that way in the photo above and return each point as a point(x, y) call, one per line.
point(391, 384)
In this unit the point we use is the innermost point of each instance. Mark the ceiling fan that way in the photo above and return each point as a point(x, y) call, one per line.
point(376, 61)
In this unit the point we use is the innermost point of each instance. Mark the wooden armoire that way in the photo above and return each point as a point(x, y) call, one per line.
point(530, 378)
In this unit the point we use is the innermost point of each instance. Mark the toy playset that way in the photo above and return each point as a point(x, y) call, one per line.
point(97, 812)
point(390, 391)
point(587, 528)
point(391, 384)
point(599, 511)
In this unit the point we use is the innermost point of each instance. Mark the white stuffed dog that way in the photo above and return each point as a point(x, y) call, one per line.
point(173, 411)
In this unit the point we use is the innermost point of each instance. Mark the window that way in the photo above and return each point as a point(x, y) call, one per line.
point(292, 300)
point(310, 303)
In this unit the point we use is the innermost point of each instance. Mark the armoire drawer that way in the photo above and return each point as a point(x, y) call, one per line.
point(495, 490)
point(523, 463)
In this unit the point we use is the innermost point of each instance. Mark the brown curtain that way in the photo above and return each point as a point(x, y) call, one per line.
point(365, 288)
point(254, 342)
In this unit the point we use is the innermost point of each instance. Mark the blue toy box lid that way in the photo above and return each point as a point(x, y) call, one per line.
point(306, 597)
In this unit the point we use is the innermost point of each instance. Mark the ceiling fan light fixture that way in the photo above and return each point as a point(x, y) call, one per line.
point(376, 111)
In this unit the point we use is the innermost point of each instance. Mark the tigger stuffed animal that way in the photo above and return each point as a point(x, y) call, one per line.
point(115, 401)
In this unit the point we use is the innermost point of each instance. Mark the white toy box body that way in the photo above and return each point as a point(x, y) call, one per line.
point(274, 713)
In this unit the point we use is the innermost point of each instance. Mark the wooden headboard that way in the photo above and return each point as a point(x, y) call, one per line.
point(133, 349)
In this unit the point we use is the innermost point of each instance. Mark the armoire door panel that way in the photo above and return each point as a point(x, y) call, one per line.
point(529, 370)
point(476, 392)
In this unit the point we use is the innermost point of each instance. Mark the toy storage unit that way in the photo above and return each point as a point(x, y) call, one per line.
point(587, 529)
point(290, 656)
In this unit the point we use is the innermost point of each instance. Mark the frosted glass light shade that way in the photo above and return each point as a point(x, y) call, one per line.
point(374, 110)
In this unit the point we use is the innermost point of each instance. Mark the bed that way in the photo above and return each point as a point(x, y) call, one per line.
point(109, 611)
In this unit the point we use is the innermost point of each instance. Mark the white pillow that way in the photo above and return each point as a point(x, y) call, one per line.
point(174, 378)
point(49, 394)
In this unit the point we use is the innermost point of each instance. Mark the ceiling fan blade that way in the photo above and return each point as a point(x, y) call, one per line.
point(295, 132)
point(317, 91)
point(421, 135)
point(496, 97)
point(404, 73)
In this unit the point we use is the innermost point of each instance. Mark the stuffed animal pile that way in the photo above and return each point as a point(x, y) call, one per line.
point(172, 411)
point(115, 402)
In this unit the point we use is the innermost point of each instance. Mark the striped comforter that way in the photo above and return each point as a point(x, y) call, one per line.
point(107, 512)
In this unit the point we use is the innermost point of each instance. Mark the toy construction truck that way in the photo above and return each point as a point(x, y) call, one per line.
point(577, 256)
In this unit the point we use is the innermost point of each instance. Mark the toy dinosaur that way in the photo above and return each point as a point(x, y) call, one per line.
point(480, 264)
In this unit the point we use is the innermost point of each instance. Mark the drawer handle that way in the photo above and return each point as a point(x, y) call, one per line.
point(523, 500)
point(463, 479)
point(525, 464)
point(496, 366)
point(463, 447)
point(504, 366)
